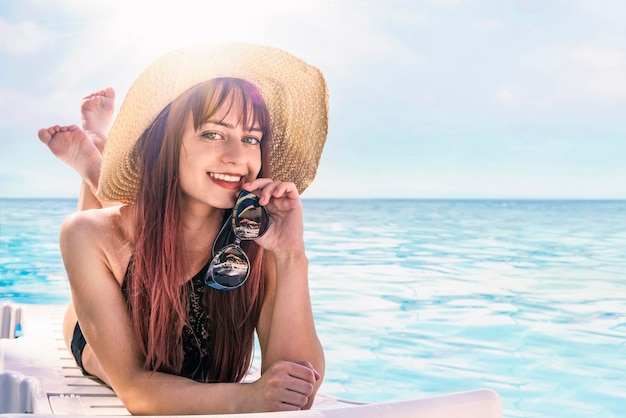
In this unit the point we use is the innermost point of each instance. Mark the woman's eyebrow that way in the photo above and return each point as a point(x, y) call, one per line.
point(255, 128)
point(219, 122)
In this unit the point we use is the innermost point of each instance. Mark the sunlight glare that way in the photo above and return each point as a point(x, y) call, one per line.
point(185, 22)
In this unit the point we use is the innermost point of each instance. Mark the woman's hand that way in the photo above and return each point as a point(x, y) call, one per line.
point(286, 329)
point(282, 201)
point(285, 386)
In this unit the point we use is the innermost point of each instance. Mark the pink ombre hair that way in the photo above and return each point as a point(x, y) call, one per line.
point(156, 295)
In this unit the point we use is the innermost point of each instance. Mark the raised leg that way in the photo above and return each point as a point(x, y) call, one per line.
point(82, 149)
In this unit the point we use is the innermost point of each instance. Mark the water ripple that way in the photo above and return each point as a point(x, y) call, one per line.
point(429, 297)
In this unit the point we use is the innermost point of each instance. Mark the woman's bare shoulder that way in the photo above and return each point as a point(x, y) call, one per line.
point(105, 221)
point(104, 234)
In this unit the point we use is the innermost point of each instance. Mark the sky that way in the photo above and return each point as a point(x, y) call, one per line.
point(497, 99)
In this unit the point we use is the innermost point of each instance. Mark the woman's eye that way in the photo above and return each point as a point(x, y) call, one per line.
point(251, 140)
point(211, 135)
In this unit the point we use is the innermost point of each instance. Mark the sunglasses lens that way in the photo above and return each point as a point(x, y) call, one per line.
point(250, 220)
point(229, 269)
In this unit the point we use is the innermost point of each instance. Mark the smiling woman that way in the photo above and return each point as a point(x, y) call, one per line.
point(199, 126)
point(143, 269)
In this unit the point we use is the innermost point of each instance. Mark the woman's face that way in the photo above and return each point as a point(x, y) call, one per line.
point(218, 158)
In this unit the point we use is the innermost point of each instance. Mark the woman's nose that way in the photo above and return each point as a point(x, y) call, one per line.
point(232, 151)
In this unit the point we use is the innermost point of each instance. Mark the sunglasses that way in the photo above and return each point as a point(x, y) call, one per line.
point(230, 266)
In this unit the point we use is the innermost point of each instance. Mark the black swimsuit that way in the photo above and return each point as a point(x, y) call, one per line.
point(195, 337)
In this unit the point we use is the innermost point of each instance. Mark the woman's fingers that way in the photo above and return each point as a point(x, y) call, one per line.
point(284, 206)
point(267, 189)
point(309, 366)
point(290, 383)
point(272, 393)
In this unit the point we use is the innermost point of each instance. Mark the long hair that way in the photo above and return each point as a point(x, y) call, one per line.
point(157, 296)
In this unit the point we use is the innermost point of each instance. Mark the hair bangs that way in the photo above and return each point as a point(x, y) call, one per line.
point(238, 97)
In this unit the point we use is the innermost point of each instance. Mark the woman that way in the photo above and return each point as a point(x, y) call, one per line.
point(197, 127)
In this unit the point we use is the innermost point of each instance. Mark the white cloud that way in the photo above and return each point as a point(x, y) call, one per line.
point(488, 25)
point(600, 59)
point(607, 11)
point(574, 73)
point(15, 107)
point(21, 37)
point(511, 94)
point(603, 71)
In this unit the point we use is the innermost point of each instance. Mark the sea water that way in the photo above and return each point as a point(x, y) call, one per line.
point(416, 298)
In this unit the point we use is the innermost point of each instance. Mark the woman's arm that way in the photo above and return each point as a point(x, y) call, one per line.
point(286, 327)
point(105, 322)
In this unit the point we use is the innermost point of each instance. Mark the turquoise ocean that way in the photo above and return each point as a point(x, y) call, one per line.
point(417, 298)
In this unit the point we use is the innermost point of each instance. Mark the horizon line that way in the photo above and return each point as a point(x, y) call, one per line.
point(494, 198)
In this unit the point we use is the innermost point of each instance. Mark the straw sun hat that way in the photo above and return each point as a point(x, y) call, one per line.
point(294, 92)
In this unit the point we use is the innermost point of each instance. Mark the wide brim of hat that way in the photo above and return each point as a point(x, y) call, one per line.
point(294, 92)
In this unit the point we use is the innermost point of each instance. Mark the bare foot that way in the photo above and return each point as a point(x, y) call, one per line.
point(76, 148)
point(96, 111)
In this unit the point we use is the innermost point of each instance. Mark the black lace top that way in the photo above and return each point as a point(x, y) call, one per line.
point(195, 337)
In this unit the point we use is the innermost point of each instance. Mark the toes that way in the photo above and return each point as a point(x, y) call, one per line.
point(109, 92)
point(44, 135)
point(94, 94)
point(66, 128)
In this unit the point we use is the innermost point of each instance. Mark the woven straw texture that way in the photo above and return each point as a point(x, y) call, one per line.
point(294, 92)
